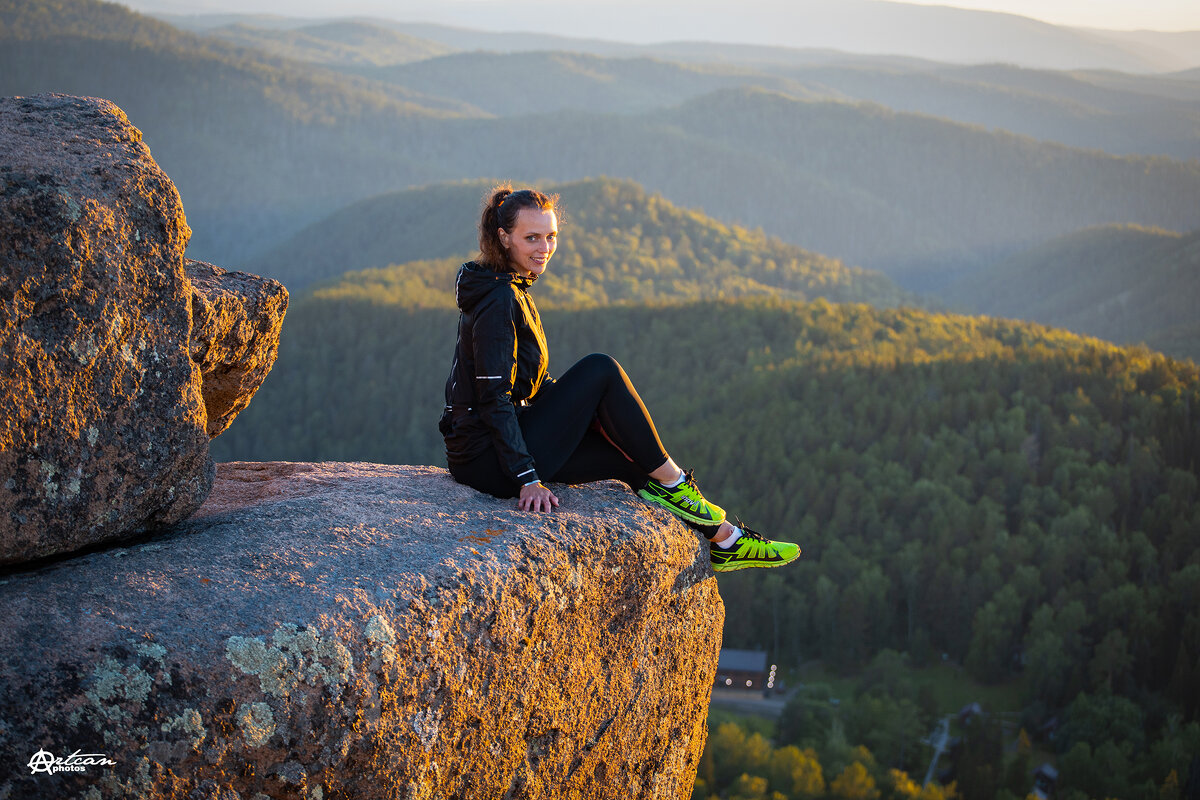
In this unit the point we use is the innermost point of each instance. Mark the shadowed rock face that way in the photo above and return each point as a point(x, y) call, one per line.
point(366, 631)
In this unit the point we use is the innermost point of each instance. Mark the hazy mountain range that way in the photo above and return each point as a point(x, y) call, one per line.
point(1117, 113)
point(927, 171)
point(938, 33)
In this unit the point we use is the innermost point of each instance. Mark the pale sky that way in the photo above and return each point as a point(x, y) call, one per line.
point(1158, 15)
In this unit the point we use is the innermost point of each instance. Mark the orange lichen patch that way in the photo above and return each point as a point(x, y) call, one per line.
point(482, 538)
point(476, 537)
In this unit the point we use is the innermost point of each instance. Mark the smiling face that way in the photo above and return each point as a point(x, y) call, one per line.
point(532, 240)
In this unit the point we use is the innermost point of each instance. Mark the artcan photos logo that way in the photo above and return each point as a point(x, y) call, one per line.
point(45, 761)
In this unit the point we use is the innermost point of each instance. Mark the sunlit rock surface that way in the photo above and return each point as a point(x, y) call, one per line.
point(366, 631)
point(236, 321)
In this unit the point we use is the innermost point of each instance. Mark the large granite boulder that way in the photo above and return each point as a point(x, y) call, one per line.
point(366, 631)
point(102, 421)
point(103, 427)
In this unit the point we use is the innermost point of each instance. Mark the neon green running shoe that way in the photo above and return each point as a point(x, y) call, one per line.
point(684, 501)
point(752, 549)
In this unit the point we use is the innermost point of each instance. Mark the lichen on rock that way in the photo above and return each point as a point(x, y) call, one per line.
point(257, 723)
point(188, 722)
point(293, 656)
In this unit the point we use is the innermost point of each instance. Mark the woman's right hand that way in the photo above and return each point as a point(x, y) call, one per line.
point(536, 497)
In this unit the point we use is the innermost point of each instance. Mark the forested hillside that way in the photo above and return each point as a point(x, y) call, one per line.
point(1121, 283)
point(617, 244)
point(260, 146)
point(1018, 498)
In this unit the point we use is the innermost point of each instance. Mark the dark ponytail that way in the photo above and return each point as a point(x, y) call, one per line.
point(501, 206)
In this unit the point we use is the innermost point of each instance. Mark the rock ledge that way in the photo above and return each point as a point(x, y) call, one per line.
point(357, 630)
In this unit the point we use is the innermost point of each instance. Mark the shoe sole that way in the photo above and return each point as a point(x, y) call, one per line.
point(677, 511)
point(736, 565)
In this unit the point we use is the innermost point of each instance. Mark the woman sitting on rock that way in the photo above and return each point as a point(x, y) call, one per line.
point(508, 424)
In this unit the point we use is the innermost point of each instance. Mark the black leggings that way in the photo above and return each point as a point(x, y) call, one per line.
point(565, 433)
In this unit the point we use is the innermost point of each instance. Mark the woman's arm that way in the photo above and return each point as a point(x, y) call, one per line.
point(494, 343)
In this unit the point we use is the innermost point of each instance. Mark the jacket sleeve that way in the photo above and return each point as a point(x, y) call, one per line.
point(494, 341)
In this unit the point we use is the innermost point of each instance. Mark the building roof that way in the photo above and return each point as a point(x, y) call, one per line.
point(742, 660)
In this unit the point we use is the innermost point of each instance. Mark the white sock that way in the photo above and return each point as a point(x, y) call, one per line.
point(675, 482)
point(733, 537)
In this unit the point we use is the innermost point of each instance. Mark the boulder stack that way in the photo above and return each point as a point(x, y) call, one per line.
point(300, 631)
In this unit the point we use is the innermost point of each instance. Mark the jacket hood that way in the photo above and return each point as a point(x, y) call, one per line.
point(474, 282)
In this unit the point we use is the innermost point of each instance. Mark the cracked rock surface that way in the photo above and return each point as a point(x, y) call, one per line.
point(366, 631)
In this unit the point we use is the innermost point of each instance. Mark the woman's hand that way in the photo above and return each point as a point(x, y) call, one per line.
point(536, 497)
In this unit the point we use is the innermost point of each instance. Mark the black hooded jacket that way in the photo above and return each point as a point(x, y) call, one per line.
point(500, 363)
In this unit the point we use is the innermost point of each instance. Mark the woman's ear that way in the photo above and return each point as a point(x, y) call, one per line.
point(504, 237)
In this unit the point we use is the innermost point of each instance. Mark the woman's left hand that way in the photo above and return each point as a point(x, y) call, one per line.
point(536, 497)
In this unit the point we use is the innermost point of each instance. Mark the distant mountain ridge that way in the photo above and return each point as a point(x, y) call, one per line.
point(1120, 114)
point(574, 81)
point(618, 244)
point(938, 33)
point(916, 178)
point(337, 43)
point(261, 146)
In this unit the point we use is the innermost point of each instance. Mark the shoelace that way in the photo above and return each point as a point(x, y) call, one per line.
point(751, 534)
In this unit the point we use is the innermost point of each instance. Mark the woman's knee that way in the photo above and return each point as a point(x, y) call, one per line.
point(601, 363)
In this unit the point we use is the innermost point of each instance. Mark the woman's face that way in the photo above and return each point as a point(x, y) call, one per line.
point(532, 240)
